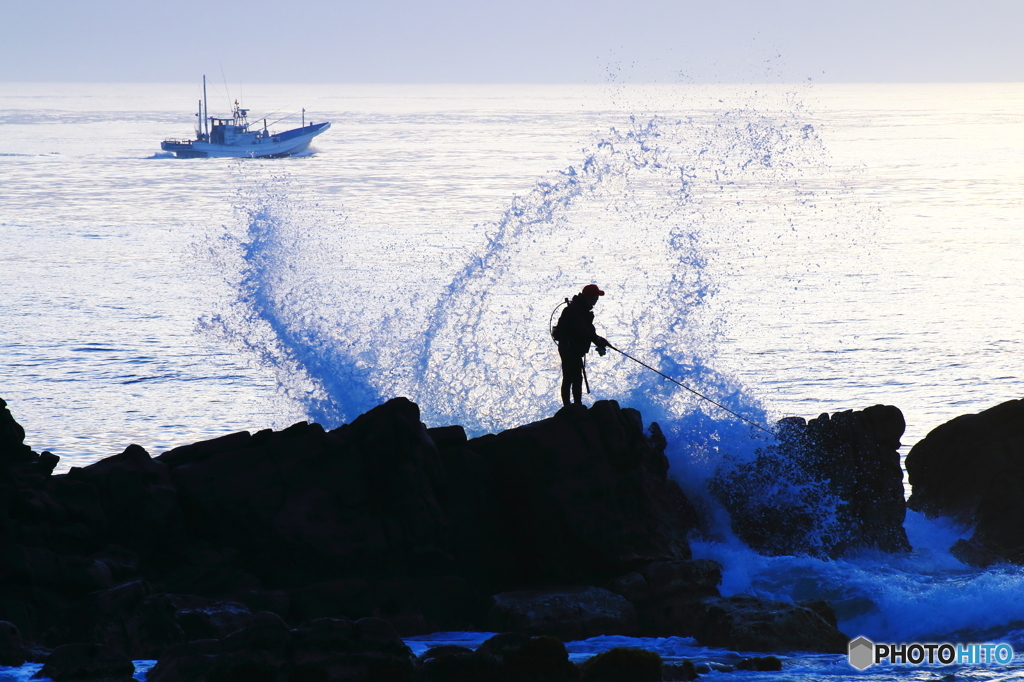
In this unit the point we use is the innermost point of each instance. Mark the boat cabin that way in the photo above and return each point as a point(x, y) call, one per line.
point(234, 130)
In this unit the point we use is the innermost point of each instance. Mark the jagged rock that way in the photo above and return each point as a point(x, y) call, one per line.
point(743, 623)
point(87, 663)
point(380, 517)
point(972, 469)
point(623, 664)
point(568, 613)
point(830, 485)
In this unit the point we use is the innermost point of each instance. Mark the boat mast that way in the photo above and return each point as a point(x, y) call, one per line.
point(206, 118)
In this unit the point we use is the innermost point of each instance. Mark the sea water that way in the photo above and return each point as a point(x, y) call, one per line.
point(783, 250)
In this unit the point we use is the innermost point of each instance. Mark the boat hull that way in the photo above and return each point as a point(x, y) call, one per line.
point(288, 143)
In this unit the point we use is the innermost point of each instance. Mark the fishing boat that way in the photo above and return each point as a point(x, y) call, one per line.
point(233, 137)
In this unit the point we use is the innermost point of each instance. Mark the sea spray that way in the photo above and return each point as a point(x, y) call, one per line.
point(660, 211)
point(275, 312)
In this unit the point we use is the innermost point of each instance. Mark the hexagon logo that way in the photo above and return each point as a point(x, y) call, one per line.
point(862, 653)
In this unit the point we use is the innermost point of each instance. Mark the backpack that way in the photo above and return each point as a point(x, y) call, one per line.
point(556, 332)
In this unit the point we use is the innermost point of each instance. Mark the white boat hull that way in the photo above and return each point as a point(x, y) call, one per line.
point(288, 143)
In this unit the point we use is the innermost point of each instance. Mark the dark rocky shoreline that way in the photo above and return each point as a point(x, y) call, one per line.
point(306, 554)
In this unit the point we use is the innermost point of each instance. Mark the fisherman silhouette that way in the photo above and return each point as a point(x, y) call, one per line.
point(574, 334)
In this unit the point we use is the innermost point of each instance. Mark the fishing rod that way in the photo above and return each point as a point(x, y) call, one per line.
point(600, 350)
point(699, 395)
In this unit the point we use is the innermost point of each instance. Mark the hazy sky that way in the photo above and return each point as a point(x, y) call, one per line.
point(513, 41)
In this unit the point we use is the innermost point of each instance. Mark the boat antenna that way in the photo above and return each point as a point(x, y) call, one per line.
point(225, 79)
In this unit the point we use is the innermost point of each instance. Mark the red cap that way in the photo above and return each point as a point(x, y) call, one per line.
point(592, 290)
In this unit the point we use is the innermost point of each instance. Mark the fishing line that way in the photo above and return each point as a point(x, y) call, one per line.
point(696, 393)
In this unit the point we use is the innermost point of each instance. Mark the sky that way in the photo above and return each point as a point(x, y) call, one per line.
point(512, 41)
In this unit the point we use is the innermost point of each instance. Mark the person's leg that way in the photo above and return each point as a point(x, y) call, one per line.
point(572, 378)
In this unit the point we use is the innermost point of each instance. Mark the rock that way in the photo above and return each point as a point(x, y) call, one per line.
point(276, 601)
point(679, 672)
point(153, 626)
point(256, 652)
point(216, 621)
point(582, 500)
point(350, 598)
point(972, 469)
point(828, 486)
point(138, 499)
point(122, 562)
point(319, 641)
point(186, 662)
point(42, 567)
point(623, 664)
point(36, 653)
point(246, 666)
point(823, 609)
point(664, 592)
point(418, 606)
point(380, 517)
point(568, 613)
point(86, 663)
point(378, 652)
point(264, 631)
point(743, 623)
point(12, 648)
point(974, 553)
point(102, 618)
point(519, 657)
point(760, 663)
point(324, 649)
point(457, 664)
point(34, 610)
point(12, 438)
